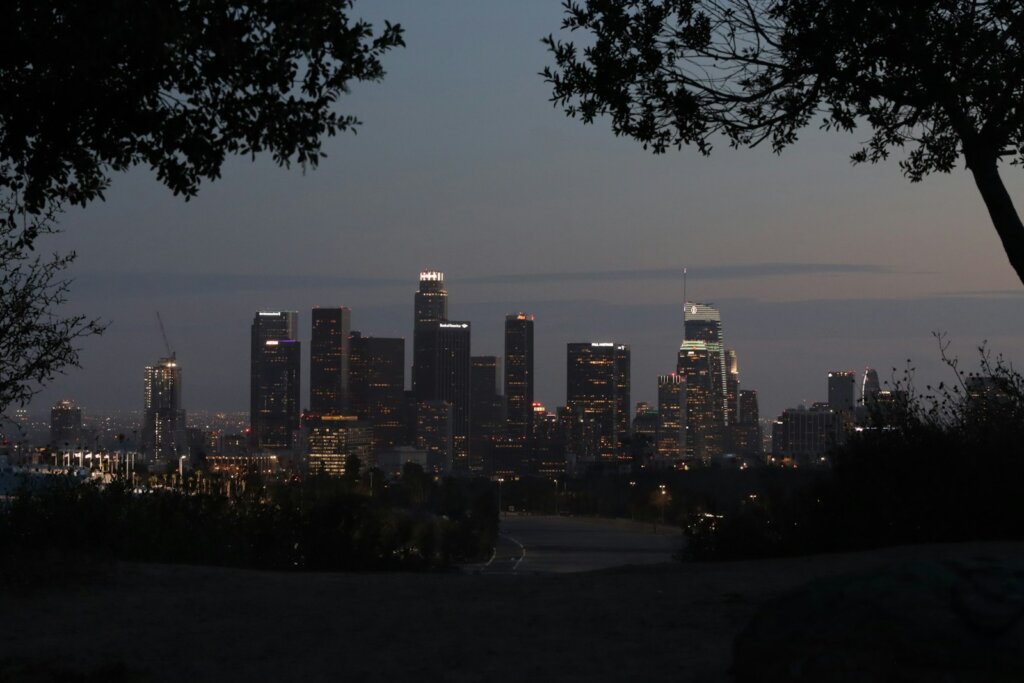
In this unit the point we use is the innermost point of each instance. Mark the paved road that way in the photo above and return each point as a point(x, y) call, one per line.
point(537, 544)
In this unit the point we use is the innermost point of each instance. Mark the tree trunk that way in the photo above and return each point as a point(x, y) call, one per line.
point(1000, 207)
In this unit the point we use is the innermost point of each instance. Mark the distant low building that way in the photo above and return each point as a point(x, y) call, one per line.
point(241, 464)
point(65, 424)
point(806, 435)
point(333, 439)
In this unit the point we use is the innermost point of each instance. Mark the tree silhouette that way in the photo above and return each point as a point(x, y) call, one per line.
point(942, 79)
point(89, 89)
point(36, 340)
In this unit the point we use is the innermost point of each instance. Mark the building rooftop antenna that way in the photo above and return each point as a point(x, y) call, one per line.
point(163, 333)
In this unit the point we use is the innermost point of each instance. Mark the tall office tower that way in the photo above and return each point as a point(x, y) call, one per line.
point(623, 369)
point(329, 360)
point(163, 426)
point(430, 309)
point(65, 423)
point(434, 434)
point(597, 391)
point(442, 373)
point(748, 433)
point(274, 379)
point(703, 323)
point(431, 301)
point(377, 386)
point(870, 387)
point(333, 440)
point(702, 418)
point(485, 408)
point(841, 390)
point(732, 387)
point(548, 444)
point(519, 376)
point(671, 423)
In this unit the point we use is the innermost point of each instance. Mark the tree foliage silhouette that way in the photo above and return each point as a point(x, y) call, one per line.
point(88, 89)
point(91, 89)
point(36, 340)
point(940, 80)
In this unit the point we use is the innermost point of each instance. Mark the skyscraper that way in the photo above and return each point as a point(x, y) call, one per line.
point(671, 422)
point(519, 378)
point(443, 374)
point(703, 323)
point(486, 409)
point(441, 366)
point(870, 387)
point(377, 386)
point(329, 361)
point(65, 423)
point(732, 387)
point(431, 301)
point(703, 426)
point(274, 378)
point(597, 391)
point(842, 390)
point(430, 309)
point(748, 432)
point(163, 427)
point(434, 434)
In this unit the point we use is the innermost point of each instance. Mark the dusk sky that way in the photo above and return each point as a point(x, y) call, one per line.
point(463, 165)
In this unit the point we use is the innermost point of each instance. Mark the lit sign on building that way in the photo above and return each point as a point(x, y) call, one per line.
point(458, 325)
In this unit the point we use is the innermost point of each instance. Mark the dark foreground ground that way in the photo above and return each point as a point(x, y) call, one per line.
point(664, 622)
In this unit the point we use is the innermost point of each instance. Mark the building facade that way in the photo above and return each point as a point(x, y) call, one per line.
point(671, 441)
point(807, 435)
point(486, 409)
point(597, 392)
point(702, 417)
point(377, 386)
point(329, 361)
point(703, 323)
point(441, 365)
point(276, 361)
point(519, 376)
point(65, 424)
point(163, 422)
point(842, 390)
point(333, 440)
point(434, 420)
point(444, 375)
point(748, 427)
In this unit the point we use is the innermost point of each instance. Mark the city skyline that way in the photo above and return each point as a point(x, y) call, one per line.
point(817, 264)
point(551, 392)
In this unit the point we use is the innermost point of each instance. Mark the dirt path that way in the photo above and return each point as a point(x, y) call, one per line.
point(669, 622)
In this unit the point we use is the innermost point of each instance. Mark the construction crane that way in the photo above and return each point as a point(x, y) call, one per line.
point(163, 333)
